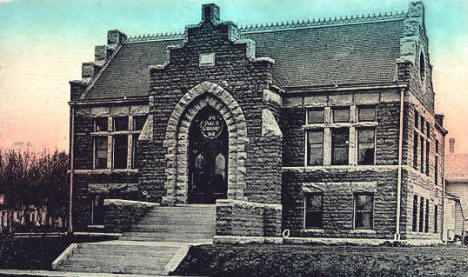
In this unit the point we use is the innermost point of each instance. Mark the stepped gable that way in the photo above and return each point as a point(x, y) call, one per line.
point(349, 50)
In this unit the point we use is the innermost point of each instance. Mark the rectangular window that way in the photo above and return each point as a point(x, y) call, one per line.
point(422, 155)
point(422, 125)
point(340, 141)
point(415, 150)
point(421, 214)
point(428, 147)
point(428, 129)
point(313, 211)
point(315, 116)
point(366, 146)
point(436, 170)
point(135, 150)
point(416, 119)
point(120, 151)
point(366, 113)
point(415, 213)
point(121, 123)
point(97, 209)
point(437, 146)
point(341, 114)
point(426, 217)
point(139, 122)
point(100, 152)
point(363, 211)
point(315, 147)
point(100, 124)
point(436, 217)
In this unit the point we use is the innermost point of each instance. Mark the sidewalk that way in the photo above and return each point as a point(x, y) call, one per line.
point(37, 273)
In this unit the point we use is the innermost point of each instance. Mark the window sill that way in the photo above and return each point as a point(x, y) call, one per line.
point(96, 226)
point(362, 231)
point(313, 230)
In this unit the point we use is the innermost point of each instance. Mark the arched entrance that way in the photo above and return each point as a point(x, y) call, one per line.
point(176, 141)
point(208, 156)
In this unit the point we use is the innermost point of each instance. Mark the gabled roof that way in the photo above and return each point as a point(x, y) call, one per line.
point(354, 50)
point(456, 167)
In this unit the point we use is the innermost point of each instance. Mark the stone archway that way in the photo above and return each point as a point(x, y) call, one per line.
point(176, 141)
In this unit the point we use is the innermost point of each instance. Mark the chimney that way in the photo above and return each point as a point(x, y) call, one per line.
point(451, 145)
point(210, 12)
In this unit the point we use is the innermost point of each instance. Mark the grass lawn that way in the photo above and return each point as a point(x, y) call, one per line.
point(303, 260)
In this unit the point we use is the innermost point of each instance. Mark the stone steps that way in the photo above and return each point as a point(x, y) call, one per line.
point(118, 258)
point(151, 244)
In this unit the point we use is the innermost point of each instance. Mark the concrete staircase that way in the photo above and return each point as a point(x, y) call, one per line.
point(155, 246)
point(193, 223)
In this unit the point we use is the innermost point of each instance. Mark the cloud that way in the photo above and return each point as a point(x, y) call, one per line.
point(4, 1)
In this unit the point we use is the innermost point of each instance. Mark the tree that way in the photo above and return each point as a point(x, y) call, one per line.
point(33, 181)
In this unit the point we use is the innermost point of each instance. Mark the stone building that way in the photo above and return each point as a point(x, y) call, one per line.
point(321, 128)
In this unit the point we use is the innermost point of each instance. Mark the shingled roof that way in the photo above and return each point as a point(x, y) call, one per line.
point(342, 51)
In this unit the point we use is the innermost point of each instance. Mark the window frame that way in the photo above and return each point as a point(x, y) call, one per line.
point(321, 109)
point(95, 149)
point(333, 145)
point(414, 223)
point(358, 144)
point(308, 146)
point(340, 108)
point(358, 110)
point(306, 211)
point(114, 121)
point(95, 123)
point(114, 145)
point(355, 210)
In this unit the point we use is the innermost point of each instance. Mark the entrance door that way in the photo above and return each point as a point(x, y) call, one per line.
point(208, 156)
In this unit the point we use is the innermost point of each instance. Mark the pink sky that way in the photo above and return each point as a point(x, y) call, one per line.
point(43, 44)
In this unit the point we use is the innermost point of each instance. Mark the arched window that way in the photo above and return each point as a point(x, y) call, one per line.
point(422, 67)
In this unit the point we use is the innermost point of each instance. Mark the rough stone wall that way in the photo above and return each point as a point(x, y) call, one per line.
point(292, 120)
point(243, 78)
point(422, 186)
point(338, 186)
point(81, 195)
point(83, 143)
point(264, 170)
point(151, 177)
point(242, 218)
point(121, 214)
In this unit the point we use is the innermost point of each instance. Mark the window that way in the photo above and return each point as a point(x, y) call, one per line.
point(436, 170)
point(436, 216)
point(422, 155)
point(366, 113)
point(138, 122)
point(135, 150)
point(366, 146)
point(100, 124)
point(120, 151)
point(341, 114)
point(428, 147)
point(422, 124)
point(416, 119)
point(415, 150)
point(437, 146)
point(363, 211)
point(426, 217)
point(428, 129)
point(340, 141)
point(121, 123)
point(315, 116)
point(421, 214)
point(315, 147)
point(313, 211)
point(422, 67)
point(100, 152)
point(415, 213)
point(97, 209)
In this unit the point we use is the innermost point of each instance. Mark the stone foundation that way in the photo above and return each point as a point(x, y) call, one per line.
point(121, 214)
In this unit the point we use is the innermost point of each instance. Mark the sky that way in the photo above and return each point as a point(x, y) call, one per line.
point(43, 44)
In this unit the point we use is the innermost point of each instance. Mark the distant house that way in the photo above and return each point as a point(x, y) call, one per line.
point(456, 180)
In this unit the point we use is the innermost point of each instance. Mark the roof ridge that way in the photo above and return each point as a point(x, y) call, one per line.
point(157, 36)
point(324, 21)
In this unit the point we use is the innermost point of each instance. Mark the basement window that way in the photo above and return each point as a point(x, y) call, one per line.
point(313, 211)
point(363, 211)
